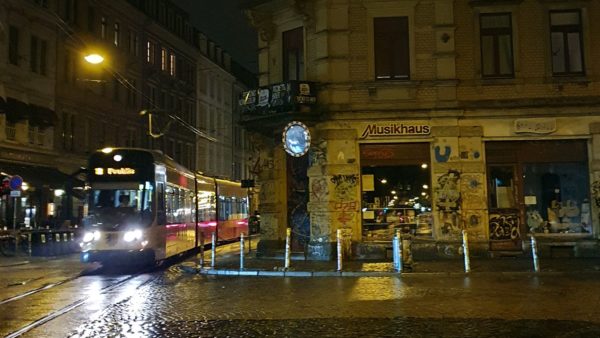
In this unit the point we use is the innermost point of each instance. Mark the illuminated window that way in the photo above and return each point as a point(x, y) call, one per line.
point(172, 64)
point(163, 59)
point(117, 34)
point(150, 52)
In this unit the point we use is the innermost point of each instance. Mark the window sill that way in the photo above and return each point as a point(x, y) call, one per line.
point(568, 79)
point(497, 81)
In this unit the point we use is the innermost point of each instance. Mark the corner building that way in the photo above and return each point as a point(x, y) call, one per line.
point(431, 117)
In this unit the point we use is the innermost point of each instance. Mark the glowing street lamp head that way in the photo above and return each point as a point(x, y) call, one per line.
point(94, 58)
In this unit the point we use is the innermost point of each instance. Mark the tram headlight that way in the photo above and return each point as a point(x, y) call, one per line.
point(91, 236)
point(132, 235)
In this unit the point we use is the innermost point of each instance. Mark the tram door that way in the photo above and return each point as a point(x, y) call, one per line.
point(505, 212)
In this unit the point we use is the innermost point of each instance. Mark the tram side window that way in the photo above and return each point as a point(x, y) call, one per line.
point(224, 208)
point(160, 203)
point(169, 204)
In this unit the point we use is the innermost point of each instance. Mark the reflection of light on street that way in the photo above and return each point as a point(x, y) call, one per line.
point(95, 298)
point(374, 288)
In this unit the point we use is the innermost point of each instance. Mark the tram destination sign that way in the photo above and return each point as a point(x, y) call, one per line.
point(393, 129)
point(114, 171)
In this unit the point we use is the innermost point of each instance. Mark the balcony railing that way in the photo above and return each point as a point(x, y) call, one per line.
point(270, 107)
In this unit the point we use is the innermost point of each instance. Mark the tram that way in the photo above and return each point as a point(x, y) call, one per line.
point(143, 206)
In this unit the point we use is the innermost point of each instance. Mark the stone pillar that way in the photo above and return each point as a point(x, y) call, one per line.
point(273, 199)
point(458, 182)
point(595, 178)
point(334, 184)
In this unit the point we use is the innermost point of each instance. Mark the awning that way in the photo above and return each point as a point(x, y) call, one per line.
point(38, 176)
point(16, 110)
point(41, 116)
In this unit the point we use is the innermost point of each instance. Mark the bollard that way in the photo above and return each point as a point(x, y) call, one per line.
point(242, 251)
point(395, 252)
point(213, 250)
point(201, 249)
point(287, 247)
point(57, 245)
point(29, 244)
point(536, 266)
point(399, 252)
point(43, 247)
point(466, 251)
point(339, 249)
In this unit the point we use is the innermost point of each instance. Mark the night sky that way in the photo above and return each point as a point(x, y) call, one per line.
point(224, 22)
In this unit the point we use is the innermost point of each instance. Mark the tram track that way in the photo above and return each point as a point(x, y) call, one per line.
point(76, 304)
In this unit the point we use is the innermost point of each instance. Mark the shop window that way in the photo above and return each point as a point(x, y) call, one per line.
point(391, 48)
point(293, 54)
point(545, 183)
point(566, 42)
point(502, 187)
point(396, 190)
point(496, 45)
point(556, 196)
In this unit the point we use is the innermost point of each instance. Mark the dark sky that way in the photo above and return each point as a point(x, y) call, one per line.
point(224, 22)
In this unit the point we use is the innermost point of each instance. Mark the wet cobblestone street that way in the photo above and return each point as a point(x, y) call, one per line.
point(177, 304)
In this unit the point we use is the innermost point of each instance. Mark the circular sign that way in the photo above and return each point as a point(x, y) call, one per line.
point(15, 182)
point(296, 139)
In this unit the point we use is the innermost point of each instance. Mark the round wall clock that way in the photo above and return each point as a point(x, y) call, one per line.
point(296, 138)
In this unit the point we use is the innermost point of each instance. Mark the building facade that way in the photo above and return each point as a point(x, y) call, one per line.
point(431, 118)
point(57, 108)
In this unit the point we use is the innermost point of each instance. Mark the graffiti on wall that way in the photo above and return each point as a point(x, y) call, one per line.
point(345, 186)
point(318, 189)
point(474, 222)
point(596, 192)
point(505, 226)
point(442, 157)
point(447, 191)
point(450, 223)
point(318, 153)
point(472, 192)
point(345, 203)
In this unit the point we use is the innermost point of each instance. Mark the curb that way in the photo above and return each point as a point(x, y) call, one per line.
point(264, 273)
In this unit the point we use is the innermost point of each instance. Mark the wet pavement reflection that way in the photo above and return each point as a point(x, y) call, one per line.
point(169, 301)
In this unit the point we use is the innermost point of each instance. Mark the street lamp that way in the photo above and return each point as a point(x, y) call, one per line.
point(94, 58)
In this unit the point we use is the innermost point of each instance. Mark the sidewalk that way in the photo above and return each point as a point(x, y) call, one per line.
point(227, 262)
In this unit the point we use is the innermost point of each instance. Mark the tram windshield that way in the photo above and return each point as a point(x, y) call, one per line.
point(116, 206)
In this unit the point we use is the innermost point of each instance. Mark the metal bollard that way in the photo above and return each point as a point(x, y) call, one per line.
point(536, 266)
point(399, 253)
point(213, 250)
point(287, 247)
point(29, 244)
point(466, 251)
point(201, 249)
point(339, 250)
point(242, 251)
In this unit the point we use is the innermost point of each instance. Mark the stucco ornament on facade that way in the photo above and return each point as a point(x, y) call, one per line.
point(535, 126)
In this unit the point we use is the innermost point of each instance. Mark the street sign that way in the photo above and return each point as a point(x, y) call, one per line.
point(15, 182)
point(15, 193)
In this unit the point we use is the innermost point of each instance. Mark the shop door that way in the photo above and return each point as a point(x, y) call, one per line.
point(505, 211)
